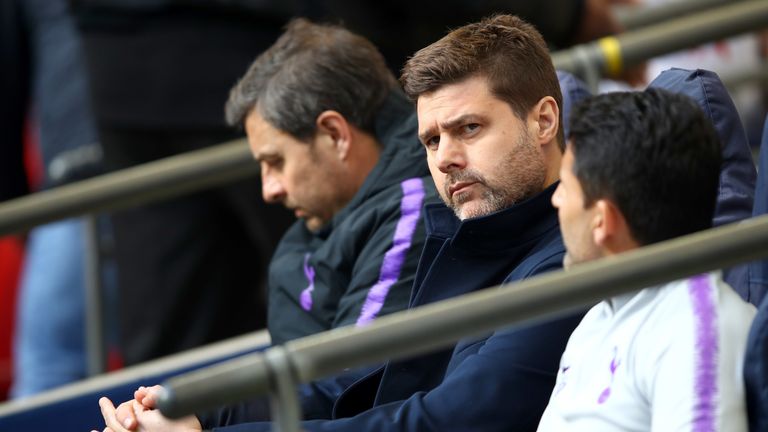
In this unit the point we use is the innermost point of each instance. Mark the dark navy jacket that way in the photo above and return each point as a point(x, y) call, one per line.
point(737, 173)
point(756, 358)
point(361, 264)
point(496, 383)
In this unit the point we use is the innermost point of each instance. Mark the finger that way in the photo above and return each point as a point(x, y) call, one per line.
point(140, 393)
point(153, 394)
point(126, 414)
point(109, 412)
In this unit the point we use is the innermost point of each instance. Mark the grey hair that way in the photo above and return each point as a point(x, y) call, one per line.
point(312, 68)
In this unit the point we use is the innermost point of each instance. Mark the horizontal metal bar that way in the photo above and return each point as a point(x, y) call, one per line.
point(640, 45)
point(144, 372)
point(637, 16)
point(439, 325)
point(154, 181)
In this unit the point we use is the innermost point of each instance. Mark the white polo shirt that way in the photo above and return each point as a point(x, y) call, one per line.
point(666, 358)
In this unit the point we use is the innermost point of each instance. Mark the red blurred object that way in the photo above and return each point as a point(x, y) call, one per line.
point(11, 258)
point(11, 255)
point(33, 160)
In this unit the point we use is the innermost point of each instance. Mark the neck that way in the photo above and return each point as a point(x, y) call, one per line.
point(552, 157)
point(364, 155)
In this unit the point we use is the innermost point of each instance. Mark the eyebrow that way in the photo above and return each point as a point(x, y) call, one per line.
point(265, 154)
point(451, 124)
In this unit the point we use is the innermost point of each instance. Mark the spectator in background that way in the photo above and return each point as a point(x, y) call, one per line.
point(641, 168)
point(49, 349)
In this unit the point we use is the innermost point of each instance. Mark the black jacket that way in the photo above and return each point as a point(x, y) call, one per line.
point(362, 264)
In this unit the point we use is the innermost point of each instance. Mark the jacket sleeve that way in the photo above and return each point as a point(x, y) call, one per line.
point(317, 399)
point(500, 383)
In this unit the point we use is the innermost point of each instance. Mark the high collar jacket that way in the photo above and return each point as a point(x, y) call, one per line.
point(362, 263)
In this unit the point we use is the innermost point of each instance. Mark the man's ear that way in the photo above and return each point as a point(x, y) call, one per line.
point(546, 119)
point(603, 222)
point(336, 127)
point(610, 228)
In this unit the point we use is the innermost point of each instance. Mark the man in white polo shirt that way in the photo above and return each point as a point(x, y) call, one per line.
point(641, 168)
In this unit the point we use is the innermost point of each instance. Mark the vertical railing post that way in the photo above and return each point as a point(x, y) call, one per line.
point(283, 397)
point(94, 299)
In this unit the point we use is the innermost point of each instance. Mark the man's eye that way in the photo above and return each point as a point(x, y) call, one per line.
point(432, 143)
point(470, 128)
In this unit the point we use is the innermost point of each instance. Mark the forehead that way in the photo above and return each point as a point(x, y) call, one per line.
point(471, 96)
point(263, 138)
point(472, 91)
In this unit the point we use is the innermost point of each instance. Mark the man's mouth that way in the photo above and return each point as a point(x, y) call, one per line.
point(460, 187)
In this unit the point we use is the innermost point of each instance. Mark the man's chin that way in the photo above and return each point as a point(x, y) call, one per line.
point(473, 209)
point(313, 224)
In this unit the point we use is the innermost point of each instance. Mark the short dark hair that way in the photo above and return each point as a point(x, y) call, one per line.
point(654, 154)
point(510, 53)
point(312, 68)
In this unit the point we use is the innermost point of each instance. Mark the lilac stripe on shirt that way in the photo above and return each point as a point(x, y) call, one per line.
point(410, 212)
point(306, 295)
point(706, 350)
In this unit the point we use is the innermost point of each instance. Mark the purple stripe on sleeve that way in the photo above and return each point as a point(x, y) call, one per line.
point(706, 349)
point(306, 295)
point(410, 212)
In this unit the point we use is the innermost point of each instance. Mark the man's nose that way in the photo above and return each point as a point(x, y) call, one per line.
point(272, 189)
point(450, 155)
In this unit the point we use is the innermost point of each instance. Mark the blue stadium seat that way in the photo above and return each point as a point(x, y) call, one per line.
point(737, 178)
point(574, 90)
point(756, 359)
point(758, 270)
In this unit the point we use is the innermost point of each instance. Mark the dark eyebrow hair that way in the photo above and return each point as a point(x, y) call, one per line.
point(451, 124)
point(266, 154)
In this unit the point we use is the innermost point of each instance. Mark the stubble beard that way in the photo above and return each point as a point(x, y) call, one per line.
point(524, 173)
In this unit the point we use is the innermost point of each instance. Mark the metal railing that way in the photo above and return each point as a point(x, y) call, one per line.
point(142, 373)
point(611, 55)
point(154, 181)
point(279, 369)
point(144, 184)
point(641, 15)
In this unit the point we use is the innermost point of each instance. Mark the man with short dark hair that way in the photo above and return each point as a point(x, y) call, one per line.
point(334, 137)
point(488, 105)
point(641, 168)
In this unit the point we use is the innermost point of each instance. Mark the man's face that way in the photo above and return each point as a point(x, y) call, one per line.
point(301, 176)
point(576, 222)
point(481, 155)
